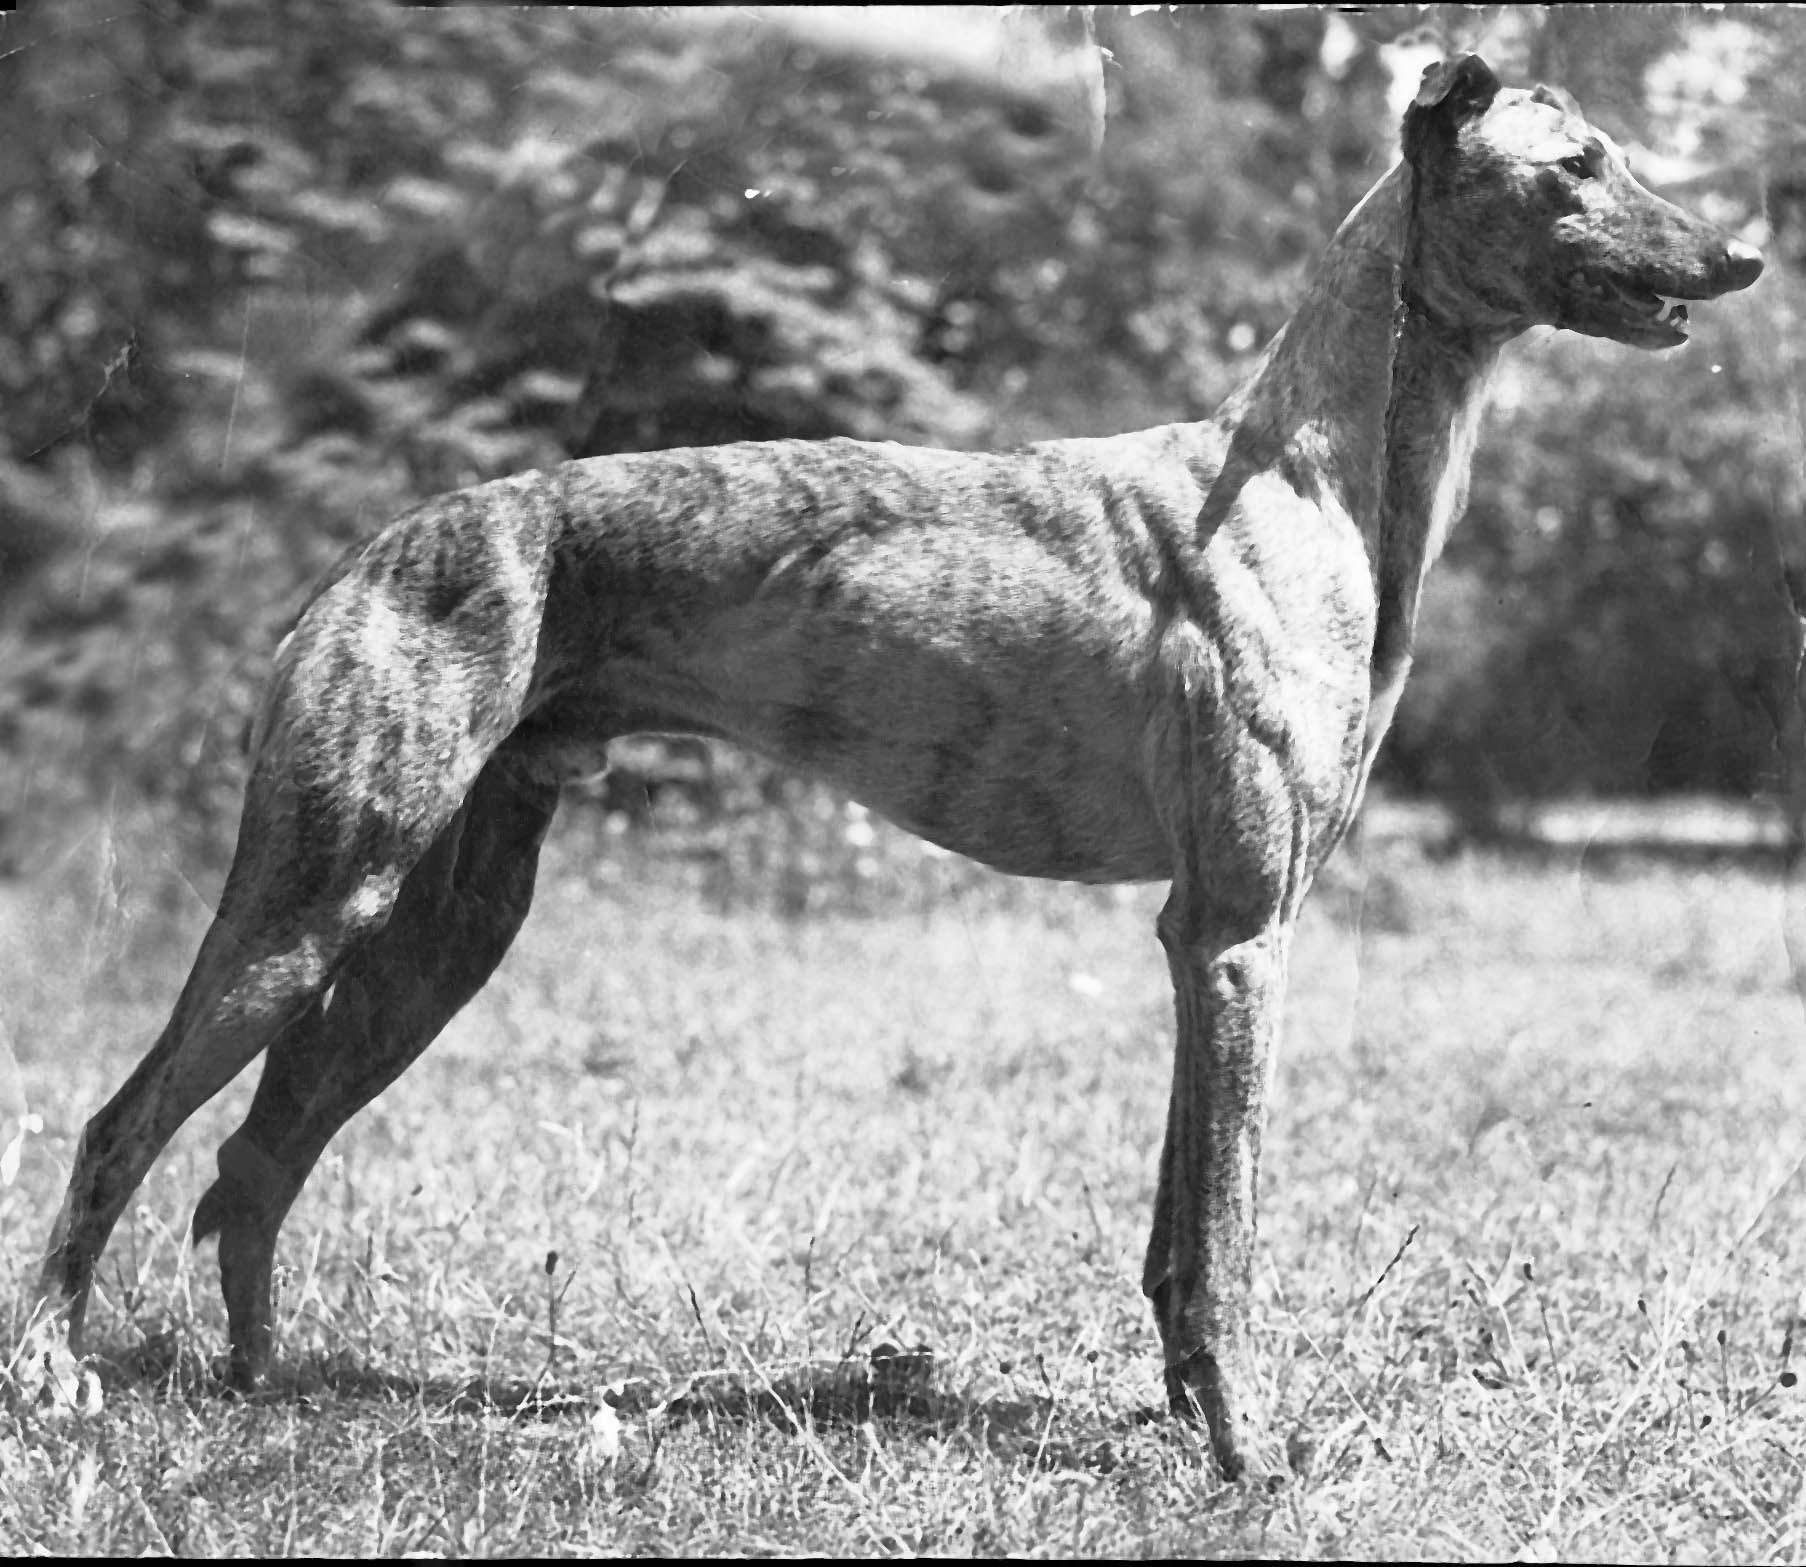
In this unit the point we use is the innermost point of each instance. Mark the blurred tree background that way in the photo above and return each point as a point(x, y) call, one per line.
point(276, 271)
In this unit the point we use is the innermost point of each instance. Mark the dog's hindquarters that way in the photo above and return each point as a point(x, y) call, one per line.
point(348, 932)
point(454, 918)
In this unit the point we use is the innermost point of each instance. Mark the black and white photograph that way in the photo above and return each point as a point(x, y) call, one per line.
point(885, 781)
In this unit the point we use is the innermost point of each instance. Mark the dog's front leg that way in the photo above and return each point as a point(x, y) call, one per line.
point(1199, 1269)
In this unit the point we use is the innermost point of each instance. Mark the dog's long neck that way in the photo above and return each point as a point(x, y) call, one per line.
point(1365, 395)
point(1440, 382)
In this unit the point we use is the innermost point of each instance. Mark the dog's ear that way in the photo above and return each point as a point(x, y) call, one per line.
point(1463, 86)
point(1452, 92)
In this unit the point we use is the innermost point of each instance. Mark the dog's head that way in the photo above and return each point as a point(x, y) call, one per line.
point(1526, 215)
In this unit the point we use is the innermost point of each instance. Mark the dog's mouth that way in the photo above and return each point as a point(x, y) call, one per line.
point(1603, 307)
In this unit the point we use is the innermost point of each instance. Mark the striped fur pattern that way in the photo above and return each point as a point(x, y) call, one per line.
point(1168, 656)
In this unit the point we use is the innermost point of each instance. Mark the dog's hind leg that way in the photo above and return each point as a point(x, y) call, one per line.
point(401, 681)
point(455, 916)
point(262, 967)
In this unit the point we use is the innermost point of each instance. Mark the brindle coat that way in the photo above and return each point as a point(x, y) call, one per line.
point(1170, 654)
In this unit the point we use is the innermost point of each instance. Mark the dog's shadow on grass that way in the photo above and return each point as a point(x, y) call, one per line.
point(898, 1390)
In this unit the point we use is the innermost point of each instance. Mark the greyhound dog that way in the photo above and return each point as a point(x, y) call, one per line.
point(1167, 655)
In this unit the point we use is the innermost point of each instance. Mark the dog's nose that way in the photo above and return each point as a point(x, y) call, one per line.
point(1742, 264)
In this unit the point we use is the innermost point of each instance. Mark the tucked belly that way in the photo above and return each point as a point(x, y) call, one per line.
point(996, 707)
point(1033, 788)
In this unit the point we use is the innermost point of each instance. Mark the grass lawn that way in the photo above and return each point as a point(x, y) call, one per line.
point(605, 1272)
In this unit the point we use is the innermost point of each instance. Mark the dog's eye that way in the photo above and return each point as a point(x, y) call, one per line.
point(1579, 165)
